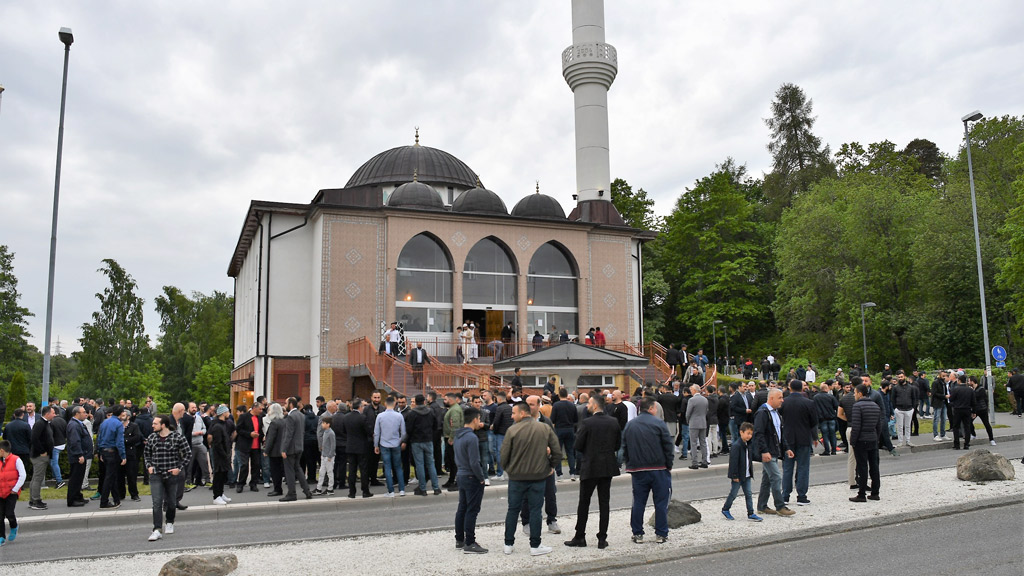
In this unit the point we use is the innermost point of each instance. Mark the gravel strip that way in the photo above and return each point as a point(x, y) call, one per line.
point(433, 552)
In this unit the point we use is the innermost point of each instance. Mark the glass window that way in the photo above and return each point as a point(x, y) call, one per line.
point(489, 256)
point(425, 319)
point(551, 261)
point(489, 289)
point(548, 322)
point(424, 253)
point(543, 291)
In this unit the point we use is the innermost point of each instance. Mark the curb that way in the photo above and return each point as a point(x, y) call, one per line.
point(647, 558)
point(948, 445)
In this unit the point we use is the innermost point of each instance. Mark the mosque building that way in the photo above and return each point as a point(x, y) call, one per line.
point(414, 237)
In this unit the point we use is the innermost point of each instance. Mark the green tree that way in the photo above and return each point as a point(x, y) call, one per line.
point(127, 383)
point(929, 158)
point(17, 395)
point(1011, 274)
point(710, 257)
point(116, 335)
point(211, 382)
point(192, 331)
point(798, 157)
point(14, 335)
point(634, 207)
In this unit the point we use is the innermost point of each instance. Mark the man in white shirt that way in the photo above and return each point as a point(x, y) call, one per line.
point(811, 375)
point(474, 347)
point(392, 338)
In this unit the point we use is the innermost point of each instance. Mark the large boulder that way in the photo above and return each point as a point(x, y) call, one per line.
point(980, 465)
point(219, 564)
point(679, 514)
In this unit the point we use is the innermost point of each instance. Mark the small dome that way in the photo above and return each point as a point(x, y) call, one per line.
point(539, 206)
point(480, 200)
point(415, 195)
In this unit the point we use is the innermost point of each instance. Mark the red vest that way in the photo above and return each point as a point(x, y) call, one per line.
point(8, 475)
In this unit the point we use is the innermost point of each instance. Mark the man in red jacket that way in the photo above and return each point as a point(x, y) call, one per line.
point(12, 478)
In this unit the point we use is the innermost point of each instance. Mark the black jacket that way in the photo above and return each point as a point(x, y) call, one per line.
point(563, 414)
point(938, 393)
point(597, 440)
point(273, 442)
point(19, 434)
point(799, 420)
point(619, 412)
point(79, 441)
point(980, 400)
point(670, 405)
point(739, 457)
point(827, 406)
point(866, 422)
point(724, 408)
point(220, 448)
point(961, 398)
point(712, 415)
point(60, 430)
point(145, 422)
point(737, 409)
point(673, 357)
point(243, 432)
point(42, 438)
point(903, 396)
point(186, 424)
point(766, 440)
point(338, 426)
point(133, 441)
point(1016, 383)
point(502, 420)
point(420, 425)
point(357, 433)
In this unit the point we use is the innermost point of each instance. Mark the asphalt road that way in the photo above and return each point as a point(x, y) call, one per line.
point(989, 542)
point(381, 515)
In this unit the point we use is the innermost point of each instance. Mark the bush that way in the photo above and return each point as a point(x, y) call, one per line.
point(16, 394)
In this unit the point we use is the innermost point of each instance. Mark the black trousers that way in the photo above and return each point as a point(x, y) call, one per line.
point(866, 455)
point(988, 427)
point(340, 460)
point(841, 427)
point(438, 434)
point(550, 503)
point(128, 477)
point(962, 425)
point(310, 460)
point(915, 429)
point(276, 472)
point(587, 486)
point(449, 463)
point(111, 467)
point(357, 471)
point(373, 466)
point(249, 461)
point(75, 480)
point(219, 479)
point(406, 461)
point(7, 509)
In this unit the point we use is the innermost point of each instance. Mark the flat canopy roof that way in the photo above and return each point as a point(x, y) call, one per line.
point(572, 356)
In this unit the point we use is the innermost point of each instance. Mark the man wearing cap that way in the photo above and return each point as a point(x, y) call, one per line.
point(220, 449)
point(465, 336)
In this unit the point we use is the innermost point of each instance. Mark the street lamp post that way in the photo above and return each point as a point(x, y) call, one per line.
point(974, 117)
point(864, 332)
point(725, 329)
point(67, 39)
point(714, 342)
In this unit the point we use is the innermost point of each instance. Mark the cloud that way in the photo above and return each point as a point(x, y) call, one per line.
point(180, 113)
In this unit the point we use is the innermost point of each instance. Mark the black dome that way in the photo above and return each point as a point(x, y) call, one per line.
point(396, 166)
point(479, 200)
point(538, 206)
point(415, 195)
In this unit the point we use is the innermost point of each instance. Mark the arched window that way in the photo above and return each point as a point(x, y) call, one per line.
point(551, 292)
point(490, 275)
point(423, 287)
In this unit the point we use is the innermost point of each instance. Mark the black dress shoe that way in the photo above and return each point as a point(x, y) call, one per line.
point(76, 504)
point(874, 497)
point(274, 493)
point(858, 499)
point(367, 494)
point(240, 488)
point(602, 544)
point(576, 543)
point(703, 465)
point(253, 488)
point(694, 467)
point(376, 483)
point(289, 498)
point(181, 507)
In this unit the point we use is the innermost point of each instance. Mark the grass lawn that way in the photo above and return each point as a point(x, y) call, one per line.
point(926, 426)
point(62, 494)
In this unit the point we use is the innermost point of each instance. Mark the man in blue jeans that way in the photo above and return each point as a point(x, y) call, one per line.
point(799, 430)
point(470, 478)
point(648, 454)
point(565, 416)
point(769, 444)
point(389, 437)
point(528, 455)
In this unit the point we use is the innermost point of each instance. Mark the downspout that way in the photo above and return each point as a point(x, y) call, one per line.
point(640, 288)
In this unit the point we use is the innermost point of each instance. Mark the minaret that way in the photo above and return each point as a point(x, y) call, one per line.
point(589, 67)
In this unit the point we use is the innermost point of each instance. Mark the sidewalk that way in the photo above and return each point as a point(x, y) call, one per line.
point(434, 553)
point(248, 504)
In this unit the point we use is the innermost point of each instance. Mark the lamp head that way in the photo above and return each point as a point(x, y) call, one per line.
point(718, 321)
point(973, 116)
point(868, 305)
point(66, 36)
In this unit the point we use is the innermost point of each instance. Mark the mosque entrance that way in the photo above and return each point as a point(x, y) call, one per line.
point(488, 325)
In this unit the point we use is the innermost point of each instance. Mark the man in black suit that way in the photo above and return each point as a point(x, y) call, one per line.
point(417, 359)
point(598, 441)
point(673, 359)
point(799, 430)
point(739, 409)
point(356, 439)
point(249, 435)
point(962, 404)
point(769, 443)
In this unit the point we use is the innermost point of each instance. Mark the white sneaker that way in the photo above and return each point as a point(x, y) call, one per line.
point(391, 494)
point(508, 550)
point(572, 477)
point(992, 442)
point(169, 528)
point(220, 501)
point(907, 443)
point(554, 528)
point(937, 439)
point(156, 535)
point(401, 492)
point(487, 482)
point(500, 477)
point(226, 499)
point(526, 529)
point(266, 484)
point(540, 550)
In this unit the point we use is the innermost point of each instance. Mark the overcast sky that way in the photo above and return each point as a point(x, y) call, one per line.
point(180, 113)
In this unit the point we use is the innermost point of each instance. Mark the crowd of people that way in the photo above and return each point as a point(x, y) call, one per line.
point(475, 437)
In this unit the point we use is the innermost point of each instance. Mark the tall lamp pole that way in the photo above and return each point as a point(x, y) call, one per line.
point(864, 332)
point(714, 341)
point(725, 329)
point(974, 117)
point(67, 39)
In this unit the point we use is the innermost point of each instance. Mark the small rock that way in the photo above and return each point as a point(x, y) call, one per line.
point(219, 564)
point(980, 465)
point(679, 514)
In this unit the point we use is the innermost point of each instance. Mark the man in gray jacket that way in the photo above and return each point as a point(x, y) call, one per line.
point(291, 451)
point(697, 420)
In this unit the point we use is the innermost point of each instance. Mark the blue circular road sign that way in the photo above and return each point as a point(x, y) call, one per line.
point(998, 353)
